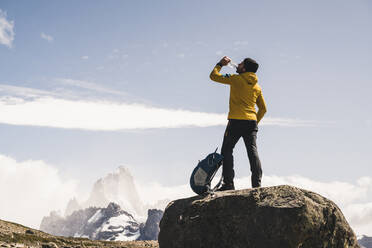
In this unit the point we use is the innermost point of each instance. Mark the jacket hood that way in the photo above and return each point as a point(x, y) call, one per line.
point(250, 77)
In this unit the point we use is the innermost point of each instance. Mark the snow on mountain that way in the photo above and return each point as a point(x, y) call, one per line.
point(110, 223)
point(95, 217)
point(113, 211)
point(123, 228)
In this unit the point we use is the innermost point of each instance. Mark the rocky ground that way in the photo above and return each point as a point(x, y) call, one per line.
point(16, 235)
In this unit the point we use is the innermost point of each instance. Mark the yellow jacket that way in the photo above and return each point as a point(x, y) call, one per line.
point(245, 93)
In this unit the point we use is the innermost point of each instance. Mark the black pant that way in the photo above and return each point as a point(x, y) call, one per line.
point(234, 130)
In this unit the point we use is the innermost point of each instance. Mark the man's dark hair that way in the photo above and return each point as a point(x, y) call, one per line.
point(250, 65)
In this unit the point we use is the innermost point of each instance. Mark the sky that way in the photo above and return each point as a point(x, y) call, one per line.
point(87, 86)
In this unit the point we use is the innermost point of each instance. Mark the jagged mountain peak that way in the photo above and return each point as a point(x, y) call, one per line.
point(114, 207)
point(118, 187)
point(122, 169)
point(108, 223)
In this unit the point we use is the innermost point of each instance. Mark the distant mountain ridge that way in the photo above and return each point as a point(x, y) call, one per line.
point(365, 241)
point(112, 211)
point(13, 235)
point(110, 223)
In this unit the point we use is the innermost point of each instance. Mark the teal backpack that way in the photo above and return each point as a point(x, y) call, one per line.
point(202, 175)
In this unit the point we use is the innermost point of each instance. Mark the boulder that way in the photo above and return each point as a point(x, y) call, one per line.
point(270, 217)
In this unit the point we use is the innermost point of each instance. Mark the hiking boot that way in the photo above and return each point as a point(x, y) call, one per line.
point(226, 186)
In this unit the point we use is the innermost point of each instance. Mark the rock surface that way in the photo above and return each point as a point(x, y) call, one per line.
point(270, 217)
point(150, 230)
point(365, 241)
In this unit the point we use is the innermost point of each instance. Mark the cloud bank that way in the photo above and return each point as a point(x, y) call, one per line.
point(99, 115)
point(30, 190)
point(34, 107)
point(6, 30)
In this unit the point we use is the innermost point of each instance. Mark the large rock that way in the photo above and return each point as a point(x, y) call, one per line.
point(270, 217)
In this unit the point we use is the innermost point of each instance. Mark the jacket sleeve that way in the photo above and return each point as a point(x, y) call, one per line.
point(218, 77)
point(261, 107)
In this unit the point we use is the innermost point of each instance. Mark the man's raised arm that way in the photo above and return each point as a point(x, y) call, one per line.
point(217, 76)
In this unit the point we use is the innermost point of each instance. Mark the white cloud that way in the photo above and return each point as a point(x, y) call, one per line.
point(101, 115)
point(66, 108)
point(44, 36)
point(30, 190)
point(151, 192)
point(181, 55)
point(84, 57)
point(359, 216)
point(6, 30)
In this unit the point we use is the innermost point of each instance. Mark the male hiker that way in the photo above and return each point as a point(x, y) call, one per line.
point(245, 93)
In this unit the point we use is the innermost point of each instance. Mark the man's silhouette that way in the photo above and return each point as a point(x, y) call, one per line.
point(245, 93)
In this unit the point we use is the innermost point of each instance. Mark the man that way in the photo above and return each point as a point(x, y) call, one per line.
point(245, 93)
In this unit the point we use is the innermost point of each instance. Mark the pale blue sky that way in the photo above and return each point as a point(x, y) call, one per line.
point(315, 65)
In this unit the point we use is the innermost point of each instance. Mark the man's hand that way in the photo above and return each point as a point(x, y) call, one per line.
point(224, 61)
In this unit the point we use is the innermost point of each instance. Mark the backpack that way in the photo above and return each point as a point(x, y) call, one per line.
point(202, 175)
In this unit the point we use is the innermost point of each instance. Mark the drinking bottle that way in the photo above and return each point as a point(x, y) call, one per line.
point(232, 65)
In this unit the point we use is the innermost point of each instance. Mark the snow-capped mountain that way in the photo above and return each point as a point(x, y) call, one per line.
point(113, 211)
point(110, 223)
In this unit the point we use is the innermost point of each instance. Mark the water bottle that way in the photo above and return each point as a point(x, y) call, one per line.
point(232, 65)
